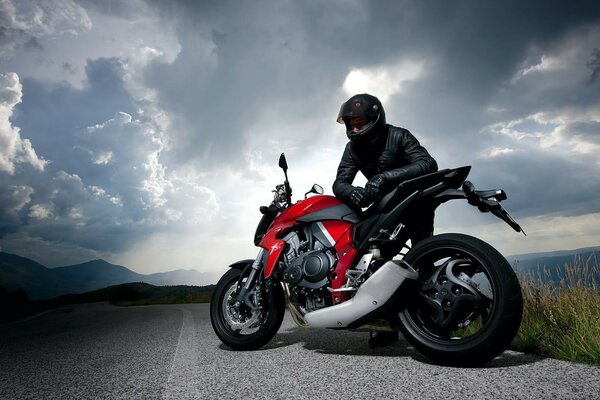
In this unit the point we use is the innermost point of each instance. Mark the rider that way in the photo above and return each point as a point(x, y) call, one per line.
point(386, 155)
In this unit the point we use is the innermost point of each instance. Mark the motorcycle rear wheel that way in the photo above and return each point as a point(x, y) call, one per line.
point(245, 329)
point(468, 304)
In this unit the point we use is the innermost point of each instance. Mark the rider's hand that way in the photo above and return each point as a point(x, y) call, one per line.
point(359, 197)
point(374, 187)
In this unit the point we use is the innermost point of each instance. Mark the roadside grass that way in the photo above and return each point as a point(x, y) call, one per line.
point(561, 319)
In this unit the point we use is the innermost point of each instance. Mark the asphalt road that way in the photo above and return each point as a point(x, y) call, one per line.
point(170, 352)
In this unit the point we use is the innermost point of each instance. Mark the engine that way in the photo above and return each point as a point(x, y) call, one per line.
point(310, 269)
point(307, 268)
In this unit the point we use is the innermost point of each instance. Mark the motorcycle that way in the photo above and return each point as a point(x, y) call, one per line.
point(453, 297)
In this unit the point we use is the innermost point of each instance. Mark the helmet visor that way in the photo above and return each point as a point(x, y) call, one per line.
point(355, 124)
point(358, 125)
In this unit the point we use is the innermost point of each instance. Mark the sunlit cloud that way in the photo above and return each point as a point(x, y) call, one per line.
point(13, 148)
point(383, 81)
point(495, 152)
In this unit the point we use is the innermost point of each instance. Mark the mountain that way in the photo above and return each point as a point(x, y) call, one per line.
point(137, 294)
point(16, 305)
point(552, 266)
point(41, 282)
point(550, 260)
point(550, 254)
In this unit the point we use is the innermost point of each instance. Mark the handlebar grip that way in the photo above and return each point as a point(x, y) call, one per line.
point(468, 188)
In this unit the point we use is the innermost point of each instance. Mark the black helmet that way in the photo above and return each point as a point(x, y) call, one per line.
point(362, 106)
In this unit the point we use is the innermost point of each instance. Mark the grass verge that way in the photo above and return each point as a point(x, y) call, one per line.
point(562, 319)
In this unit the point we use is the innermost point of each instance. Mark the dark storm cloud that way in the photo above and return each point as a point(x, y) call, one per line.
point(540, 183)
point(238, 61)
point(594, 64)
point(12, 199)
point(473, 48)
point(9, 37)
point(69, 68)
point(588, 130)
point(478, 43)
point(33, 45)
point(250, 74)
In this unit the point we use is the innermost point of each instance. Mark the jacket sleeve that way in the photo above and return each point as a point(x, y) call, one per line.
point(347, 170)
point(416, 159)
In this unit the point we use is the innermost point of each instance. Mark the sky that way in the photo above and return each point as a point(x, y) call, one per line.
point(147, 133)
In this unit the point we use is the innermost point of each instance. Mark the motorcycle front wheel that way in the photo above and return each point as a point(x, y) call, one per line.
point(467, 307)
point(246, 328)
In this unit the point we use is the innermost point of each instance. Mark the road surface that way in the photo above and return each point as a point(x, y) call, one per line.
point(170, 352)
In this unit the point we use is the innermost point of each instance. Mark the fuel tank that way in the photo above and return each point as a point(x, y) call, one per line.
point(319, 208)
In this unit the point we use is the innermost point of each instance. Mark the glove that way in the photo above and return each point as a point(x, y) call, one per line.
point(359, 197)
point(374, 187)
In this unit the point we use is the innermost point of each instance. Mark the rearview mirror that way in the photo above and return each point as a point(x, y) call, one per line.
point(282, 162)
point(315, 189)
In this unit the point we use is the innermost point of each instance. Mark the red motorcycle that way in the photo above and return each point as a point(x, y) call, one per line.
point(454, 297)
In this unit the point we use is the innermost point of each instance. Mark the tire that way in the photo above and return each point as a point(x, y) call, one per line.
point(487, 299)
point(264, 324)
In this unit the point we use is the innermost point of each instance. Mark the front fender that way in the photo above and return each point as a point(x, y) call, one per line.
point(241, 264)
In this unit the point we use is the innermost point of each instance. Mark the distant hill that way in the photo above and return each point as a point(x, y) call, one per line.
point(40, 282)
point(138, 294)
point(551, 266)
point(15, 305)
point(550, 254)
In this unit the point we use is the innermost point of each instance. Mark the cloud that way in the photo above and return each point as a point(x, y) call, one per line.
point(164, 120)
point(496, 152)
point(33, 44)
point(382, 81)
point(594, 64)
point(245, 77)
point(109, 184)
point(13, 148)
point(41, 211)
point(23, 22)
point(53, 40)
point(50, 253)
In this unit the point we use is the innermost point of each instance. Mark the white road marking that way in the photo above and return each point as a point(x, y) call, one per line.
point(183, 379)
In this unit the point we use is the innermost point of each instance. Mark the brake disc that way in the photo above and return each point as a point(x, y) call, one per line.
point(235, 319)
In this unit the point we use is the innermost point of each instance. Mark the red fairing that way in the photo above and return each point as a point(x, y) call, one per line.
point(346, 255)
point(287, 219)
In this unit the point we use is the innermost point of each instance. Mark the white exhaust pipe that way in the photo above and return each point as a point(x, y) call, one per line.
point(370, 296)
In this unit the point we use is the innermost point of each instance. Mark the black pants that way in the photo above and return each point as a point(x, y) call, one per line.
point(421, 226)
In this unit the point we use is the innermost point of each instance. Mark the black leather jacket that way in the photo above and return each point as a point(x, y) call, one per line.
point(396, 154)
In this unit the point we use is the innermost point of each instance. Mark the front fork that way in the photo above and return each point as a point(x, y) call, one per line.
point(243, 296)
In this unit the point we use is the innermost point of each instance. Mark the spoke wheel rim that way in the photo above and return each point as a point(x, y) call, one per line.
point(457, 295)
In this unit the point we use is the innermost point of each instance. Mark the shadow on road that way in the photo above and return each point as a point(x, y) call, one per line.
point(354, 343)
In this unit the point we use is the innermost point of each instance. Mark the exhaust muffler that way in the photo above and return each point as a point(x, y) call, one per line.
point(373, 294)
